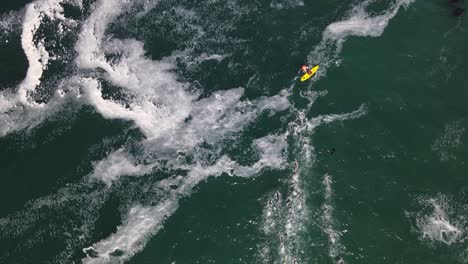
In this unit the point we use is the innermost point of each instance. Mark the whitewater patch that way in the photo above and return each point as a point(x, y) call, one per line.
point(272, 217)
point(358, 23)
point(92, 34)
point(440, 220)
point(294, 225)
point(10, 23)
point(144, 222)
point(18, 110)
point(361, 24)
point(448, 141)
point(173, 119)
point(176, 124)
point(336, 249)
point(284, 4)
point(140, 224)
point(212, 120)
point(118, 163)
point(37, 55)
point(16, 117)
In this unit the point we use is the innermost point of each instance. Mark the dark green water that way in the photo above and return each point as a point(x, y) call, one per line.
point(134, 143)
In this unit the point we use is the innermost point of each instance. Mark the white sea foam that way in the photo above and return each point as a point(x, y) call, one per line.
point(439, 221)
point(18, 111)
point(335, 247)
point(9, 23)
point(5, 103)
point(447, 143)
point(294, 222)
point(283, 224)
point(271, 226)
point(92, 35)
point(282, 4)
point(216, 57)
point(272, 150)
point(36, 53)
point(312, 123)
point(144, 222)
point(15, 117)
point(147, 5)
point(130, 237)
point(359, 23)
point(156, 102)
point(212, 119)
point(118, 163)
point(160, 109)
point(173, 120)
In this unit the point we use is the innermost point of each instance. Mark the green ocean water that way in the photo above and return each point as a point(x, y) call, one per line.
point(379, 135)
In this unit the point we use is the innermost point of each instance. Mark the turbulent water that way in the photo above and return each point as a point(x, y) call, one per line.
point(155, 131)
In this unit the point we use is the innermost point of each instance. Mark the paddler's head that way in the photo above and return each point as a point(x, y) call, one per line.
point(304, 68)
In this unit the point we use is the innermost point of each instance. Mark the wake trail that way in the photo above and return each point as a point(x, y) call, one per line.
point(294, 214)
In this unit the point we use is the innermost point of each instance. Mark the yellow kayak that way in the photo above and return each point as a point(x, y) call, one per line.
point(309, 73)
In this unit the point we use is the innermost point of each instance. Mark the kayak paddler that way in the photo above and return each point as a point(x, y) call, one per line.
point(308, 72)
point(305, 68)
